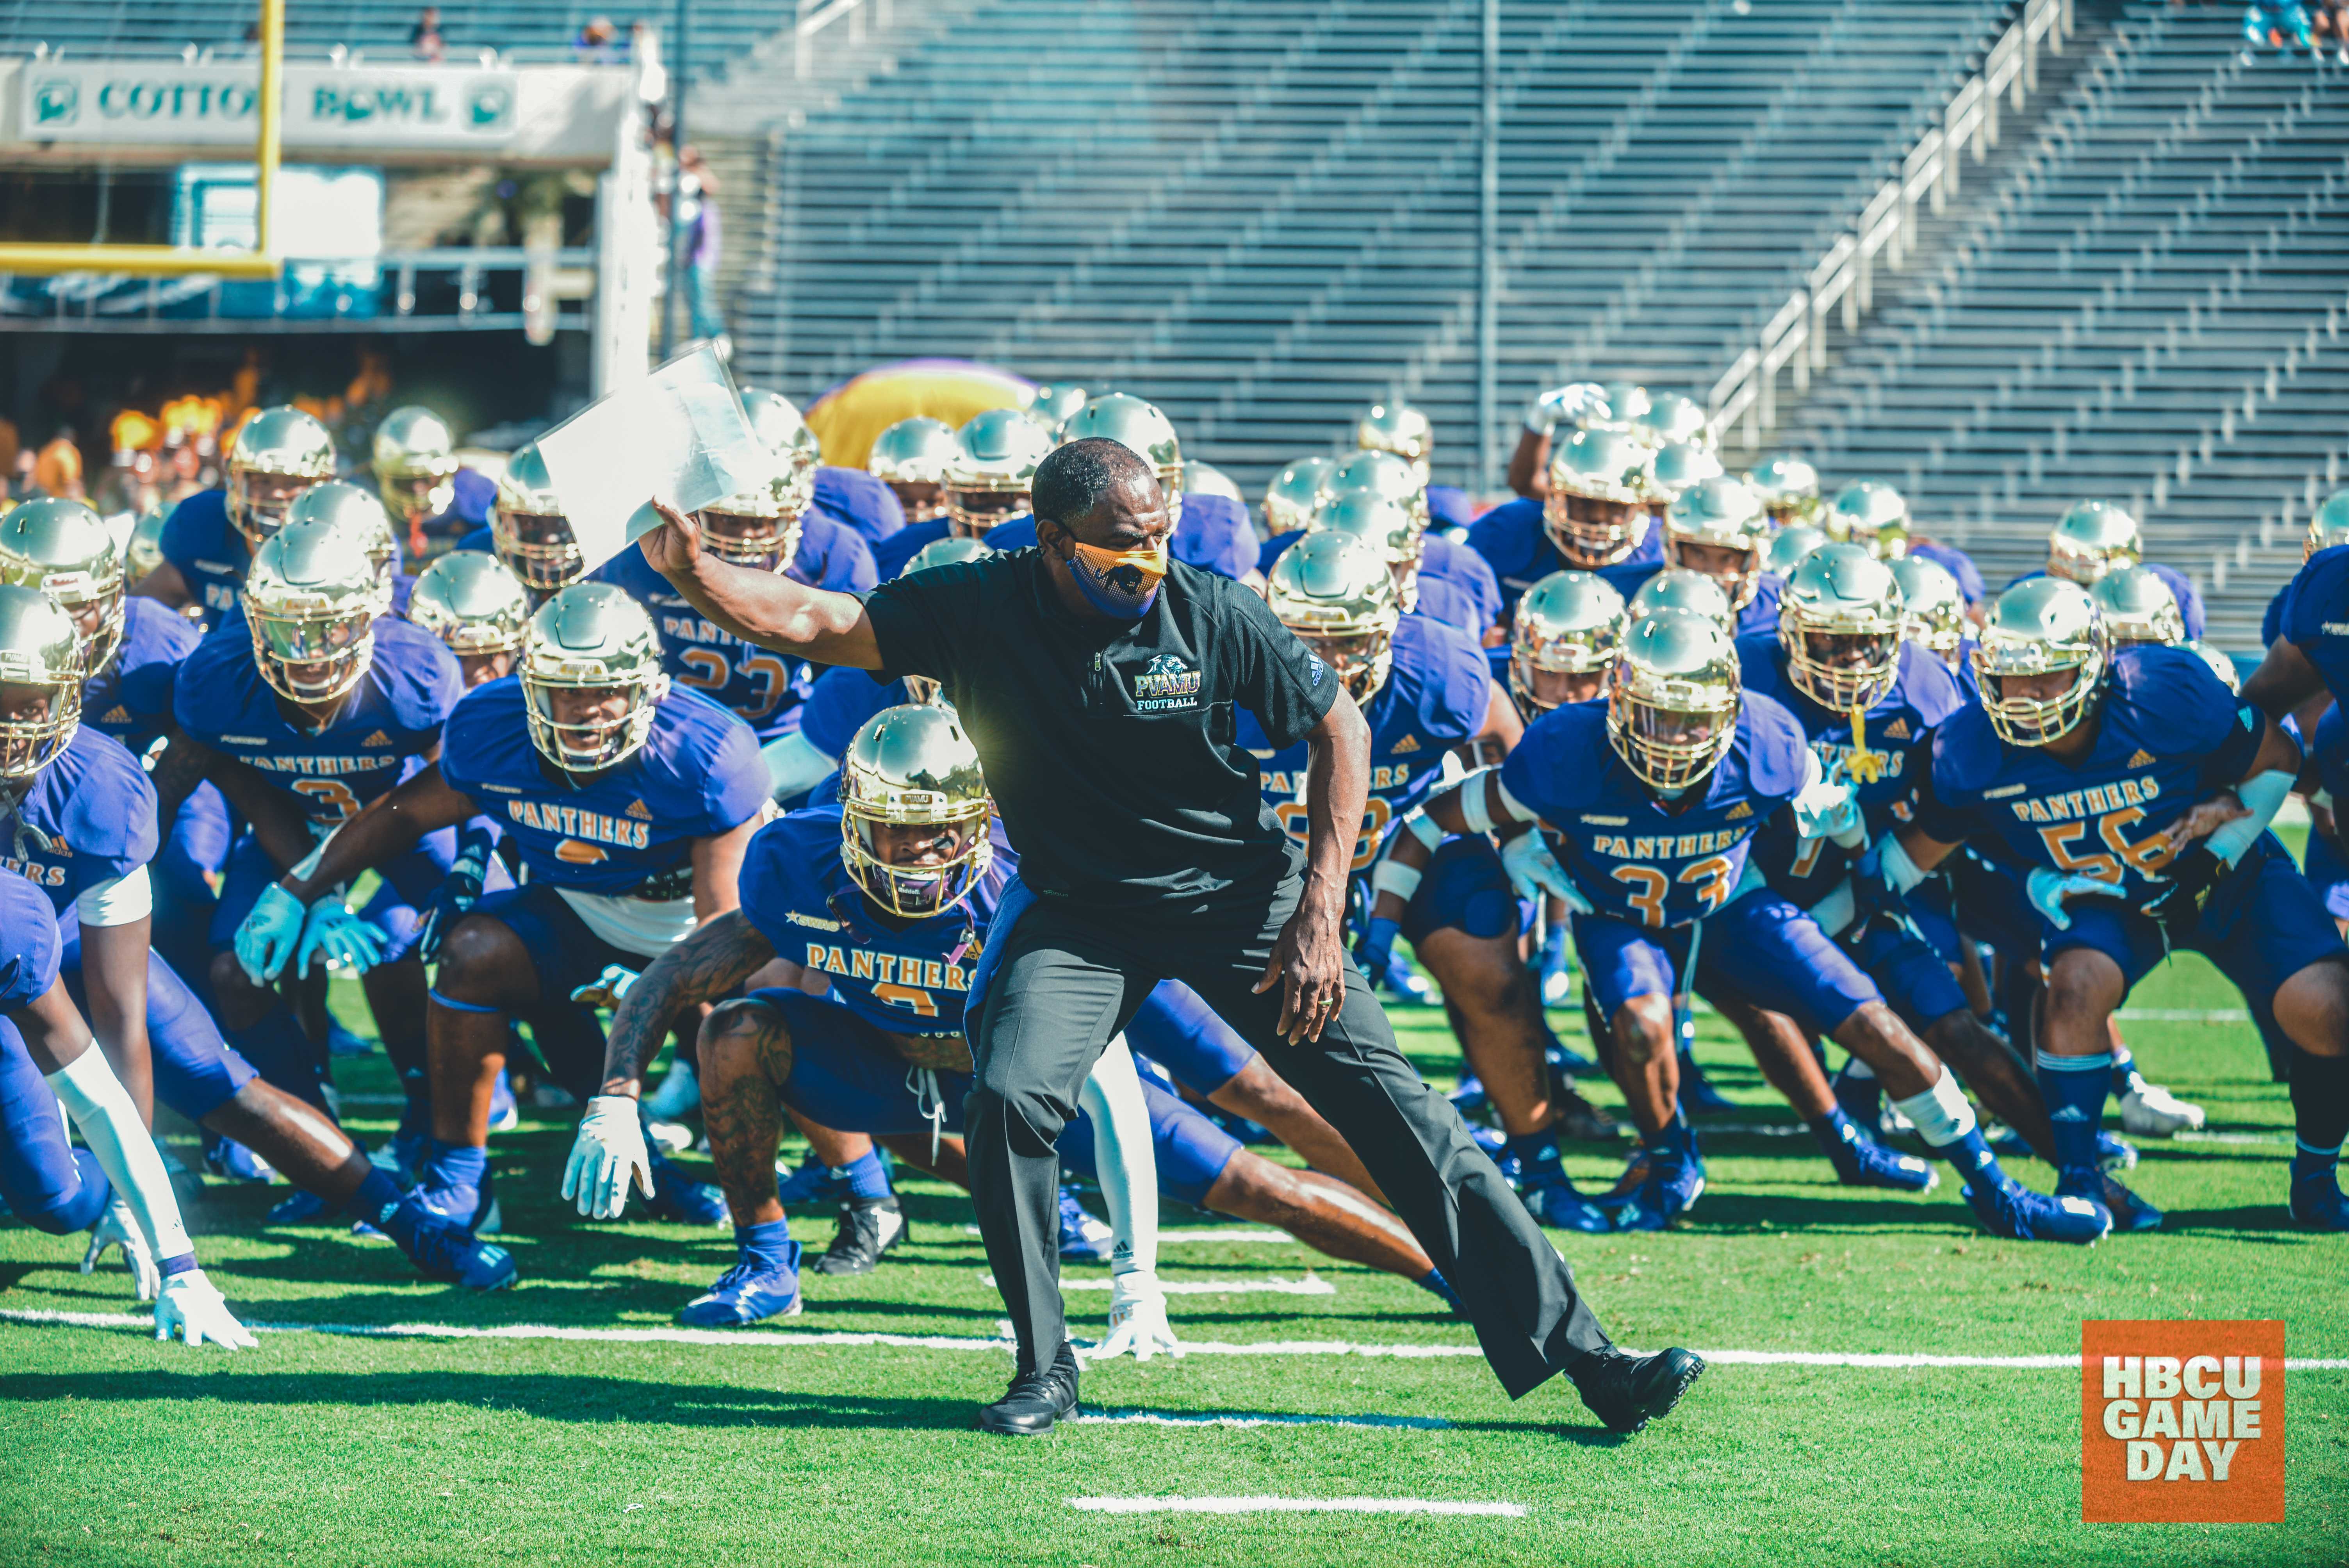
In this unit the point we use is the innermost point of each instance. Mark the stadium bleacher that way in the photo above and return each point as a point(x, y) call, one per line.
point(2144, 300)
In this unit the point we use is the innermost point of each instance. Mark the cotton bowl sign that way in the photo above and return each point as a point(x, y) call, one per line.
point(137, 102)
point(2181, 1423)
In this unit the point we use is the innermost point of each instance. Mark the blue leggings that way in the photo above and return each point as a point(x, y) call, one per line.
point(49, 1185)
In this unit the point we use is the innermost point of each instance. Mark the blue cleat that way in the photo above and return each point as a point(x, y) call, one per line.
point(452, 1254)
point(1083, 1239)
point(2010, 1208)
point(1675, 1181)
point(1553, 1199)
point(2130, 1213)
point(473, 1208)
point(2316, 1199)
point(2114, 1153)
point(1490, 1139)
point(1862, 1098)
point(504, 1115)
point(232, 1161)
point(814, 1182)
point(751, 1292)
point(1697, 1093)
point(304, 1208)
point(1470, 1098)
point(1636, 1171)
point(1889, 1169)
point(1406, 985)
point(682, 1201)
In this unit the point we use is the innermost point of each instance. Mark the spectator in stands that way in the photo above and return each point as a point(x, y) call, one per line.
point(598, 41)
point(698, 237)
point(57, 469)
point(2331, 22)
point(424, 39)
point(2278, 25)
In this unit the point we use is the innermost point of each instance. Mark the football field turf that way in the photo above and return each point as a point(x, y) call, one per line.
point(845, 1436)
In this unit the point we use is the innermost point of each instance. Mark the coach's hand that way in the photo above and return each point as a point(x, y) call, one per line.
point(606, 1155)
point(672, 547)
point(1308, 963)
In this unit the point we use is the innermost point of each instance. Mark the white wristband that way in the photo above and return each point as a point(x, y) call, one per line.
point(1474, 810)
point(1399, 880)
point(1423, 827)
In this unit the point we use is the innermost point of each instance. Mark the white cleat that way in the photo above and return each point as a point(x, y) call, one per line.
point(2149, 1110)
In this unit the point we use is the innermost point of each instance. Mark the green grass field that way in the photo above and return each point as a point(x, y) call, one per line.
point(777, 1447)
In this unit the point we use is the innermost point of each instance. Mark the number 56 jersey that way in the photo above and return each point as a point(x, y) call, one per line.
point(1634, 860)
point(2171, 734)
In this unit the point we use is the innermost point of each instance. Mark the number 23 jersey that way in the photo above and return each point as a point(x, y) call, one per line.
point(1634, 860)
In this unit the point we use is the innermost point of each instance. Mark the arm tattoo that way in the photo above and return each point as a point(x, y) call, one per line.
point(715, 959)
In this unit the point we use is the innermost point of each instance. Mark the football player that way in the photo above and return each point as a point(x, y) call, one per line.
point(886, 897)
point(415, 463)
point(630, 801)
point(1789, 488)
point(2138, 791)
point(81, 827)
point(985, 485)
point(476, 608)
point(210, 538)
point(1872, 515)
point(1718, 527)
point(2095, 536)
point(910, 457)
point(1579, 403)
point(1650, 848)
point(528, 529)
point(1598, 516)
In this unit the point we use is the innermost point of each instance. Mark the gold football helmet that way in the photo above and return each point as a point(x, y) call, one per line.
point(278, 453)
point(1789, 546)
point(1932, 606)
point(913, 767)
point(1873, 516)
point(1205, 479)
point(1789, 488)
point(346, 506)
point(1619, 406)
point(991, 470)
point(1289, 500)
point(760, 527)
point(533, 536)
point(1839, 620)
point(62, 547)
point(2090, 540)
point(1569, 624)
point(2047, 626)
point(2137, 606)
point(1139, 426)
point(471, 602)
point(1383, 525)
point(1602, 496)
point(145, 551)
point(415, 460)
point(2220, 665)
point(1381, 474)
point(1681, 464)
point(1334, 591)
point(1393, 427)
point(1055, 406)
point(311, 600)
point(910, 457)
point(2328, 525)
point(1674, 698)
point(1717, 526)
point(41, 674)
point(1672, 418)
point(1677, 588)
point(592, 677)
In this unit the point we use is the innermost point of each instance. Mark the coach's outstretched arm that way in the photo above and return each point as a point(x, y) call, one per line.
point(763, 607)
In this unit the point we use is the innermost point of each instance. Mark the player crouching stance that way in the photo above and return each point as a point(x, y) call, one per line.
point(887, 896)
point(2138, 789)
point(1651, 851)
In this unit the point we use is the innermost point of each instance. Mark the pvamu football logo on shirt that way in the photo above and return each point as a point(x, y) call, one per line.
point(1165, 683)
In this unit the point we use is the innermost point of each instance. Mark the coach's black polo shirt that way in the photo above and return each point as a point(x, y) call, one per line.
point(1109, 745)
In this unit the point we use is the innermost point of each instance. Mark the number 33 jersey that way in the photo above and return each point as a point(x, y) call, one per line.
point(376, 739)
point(1634, 860)
point(2171, 734)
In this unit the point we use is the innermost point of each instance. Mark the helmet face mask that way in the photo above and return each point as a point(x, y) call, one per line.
point(1673, 699)
point(2091, 539)
point(914, 811)
point(278, 453)
point(1602, 497)
point(61, 547)
point(910, 458)
point(1591, 531)
point(972, 512)
point(259, 499)
point(539, 547)
point(311, 600)
point(742, 530)
point(1564, 639)
point(41, 675)
point(1933, 606)
point(591, 677)
point(1840, 620)
point(2041, 661)
point(1335, 593)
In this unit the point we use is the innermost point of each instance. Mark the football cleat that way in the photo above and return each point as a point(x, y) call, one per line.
point(2149, 1110)
point(2316, 1199)
point(2115, 1153)
point(504, 1115)
point(1627, 1391)
point(1553, 1199)
point(232, 1161)
point(682, 1201)
point(2013, 1210)
point(1636, 1172)
point(812, 1182)
point(2130, 1213)
point(304, 1208)
point(399, 1155)
point(1861, 1162)
point(473, 1208)
point(1470, 1098)
point(1406, 985)
point(751, 1292)
point(1083, 1239)
point(1697, 1093)
point(1675, 1181)
point(868, 1229)
point(451, 1254)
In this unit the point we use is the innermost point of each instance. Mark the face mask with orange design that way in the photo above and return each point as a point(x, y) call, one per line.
point(1120, 583)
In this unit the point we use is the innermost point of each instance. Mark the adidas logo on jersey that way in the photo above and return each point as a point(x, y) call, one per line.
point(117, 714)
point(638, 810)
point(1408, 743)
point(377, 739)
point(1896, 730)
point(2143, 758)
point(1740, 809)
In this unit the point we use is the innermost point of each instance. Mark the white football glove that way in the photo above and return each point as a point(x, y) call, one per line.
point(608, 989)
point(606, 1155)
point(1566, 402)
point(2049, 889)
point(266, 938)
point(190, 1305)
point(1828, 808)
point(1532, 868)
point(339, 937)
point(119, 1228)
point(1137, 1318)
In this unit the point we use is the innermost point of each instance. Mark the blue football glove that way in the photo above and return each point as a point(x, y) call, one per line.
point(460, 891)
point(1375, 953)
point(341, 939)
point(2049, 889)
point(268, 936)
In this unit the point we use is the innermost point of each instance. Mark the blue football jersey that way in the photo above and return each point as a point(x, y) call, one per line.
point(1457, 585)
point(1898, 732)
point(629, 830)
point(2189, 603)
point(1760, 618)
point(1634, 860)
point(906, 976)
point(130, 699)
point(2171, 734)
point(889, 556)
point(2314, 617)
point(1436, 695)
point(1512, 539)
point(29, 947)
point(838, 705)
point(199, 540)
point(2328, 751)
point(89, 818)
point(763, 687)
point(855, 499)
point(376, 739)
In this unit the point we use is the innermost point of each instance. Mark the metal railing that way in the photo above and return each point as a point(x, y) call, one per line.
point(1795, 337)
point(815, 16)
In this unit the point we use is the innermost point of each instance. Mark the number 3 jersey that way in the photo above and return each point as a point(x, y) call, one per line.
point(1631, 859)
point(906, 977)
point(1436, 695)
point(376, 739)
point(2171, 734)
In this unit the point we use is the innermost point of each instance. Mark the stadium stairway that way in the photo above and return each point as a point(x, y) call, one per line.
point(2144, 300)
point(1263, 215)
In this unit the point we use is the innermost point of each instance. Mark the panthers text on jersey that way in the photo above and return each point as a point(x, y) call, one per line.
point(2169, 733)
point(1634, 860)
point(86, 818)
point(130, 699)
point(1436, 695)
point(909, 976)
point(376, 738)
point(628, 830)
point(199, 540)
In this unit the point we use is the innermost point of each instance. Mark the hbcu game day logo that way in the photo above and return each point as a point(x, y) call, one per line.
point(2181, 1423)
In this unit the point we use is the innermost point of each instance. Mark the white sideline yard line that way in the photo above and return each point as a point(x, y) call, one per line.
point(821, 1338)
point(1294, 1505)
point(1256, 1418)
point(1204, 1233)
point(1311, 1284)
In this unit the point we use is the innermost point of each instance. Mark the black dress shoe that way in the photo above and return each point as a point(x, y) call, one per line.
point(1035, 1400)
point(869, 1227)
point(1626, 1392)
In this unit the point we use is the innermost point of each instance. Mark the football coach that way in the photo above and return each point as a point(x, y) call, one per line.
point(1099, 681)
